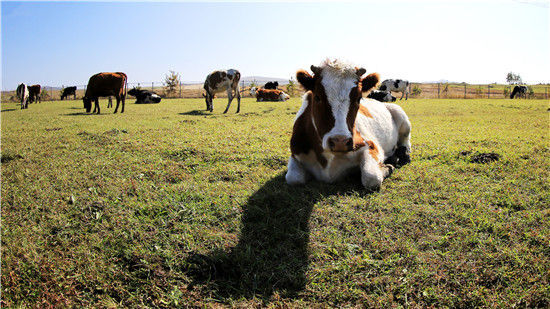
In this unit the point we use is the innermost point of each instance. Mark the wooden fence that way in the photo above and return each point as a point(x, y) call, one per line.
point(416, 90)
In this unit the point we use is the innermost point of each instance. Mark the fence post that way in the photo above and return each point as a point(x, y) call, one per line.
point(152, 86)
point(438, 90)
point(488, 91)
point(464, 90)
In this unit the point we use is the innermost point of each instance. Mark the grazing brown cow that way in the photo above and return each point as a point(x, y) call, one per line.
point(268, 95)
point(34, 93)
point(104, 85)
point(219, 81)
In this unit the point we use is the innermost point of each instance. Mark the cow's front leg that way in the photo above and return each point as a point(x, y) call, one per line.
point(296, 174)
point(374, 172)
point(96, 106)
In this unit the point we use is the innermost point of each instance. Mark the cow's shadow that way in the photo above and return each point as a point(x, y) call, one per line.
point(272, 251)
point(9, 110)
point(197, 113)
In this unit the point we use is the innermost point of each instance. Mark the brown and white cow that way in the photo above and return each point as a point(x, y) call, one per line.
point(337, 131)
point(34, 93)
point(219, 81)
point(104, 85)
point(268, 94)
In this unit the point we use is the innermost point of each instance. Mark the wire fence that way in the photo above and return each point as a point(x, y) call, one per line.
point(416, 90)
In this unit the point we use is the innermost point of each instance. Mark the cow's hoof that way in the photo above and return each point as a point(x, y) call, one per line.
point(391, 160)
point(388, 170)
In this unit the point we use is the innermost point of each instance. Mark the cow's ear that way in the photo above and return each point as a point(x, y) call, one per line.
point(369, 82)
point(316, 70)
point(305, 80)
point(360, 71)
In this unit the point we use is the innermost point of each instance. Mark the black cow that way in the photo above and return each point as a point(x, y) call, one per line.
point(69, 91)
point(144, 96)
point(519, 91)
point(34, 93)
point(271, 85)
point(381, 96)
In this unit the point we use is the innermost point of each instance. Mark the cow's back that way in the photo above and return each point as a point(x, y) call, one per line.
point(380, 122)
point(106, 84)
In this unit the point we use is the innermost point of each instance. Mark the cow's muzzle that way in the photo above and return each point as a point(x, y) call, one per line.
point(340, 143)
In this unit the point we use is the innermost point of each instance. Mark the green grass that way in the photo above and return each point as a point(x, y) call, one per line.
point(167, 205)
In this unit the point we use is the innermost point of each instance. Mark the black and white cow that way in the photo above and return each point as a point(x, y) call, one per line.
point(219, 81)
point(519, 91)
point(271, 85)
point(397, 85)
point(23, 95)
point(337, 131)
point(381, 96)
point(144, 96)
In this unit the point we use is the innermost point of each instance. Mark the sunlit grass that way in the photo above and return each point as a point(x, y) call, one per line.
point(167, 205)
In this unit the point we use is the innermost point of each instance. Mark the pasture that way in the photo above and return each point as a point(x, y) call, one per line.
point(167, 205)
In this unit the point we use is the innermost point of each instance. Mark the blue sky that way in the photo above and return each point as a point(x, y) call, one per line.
point(64, 43)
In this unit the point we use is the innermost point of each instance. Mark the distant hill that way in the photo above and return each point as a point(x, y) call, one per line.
point(247, 80)
point(260, 80)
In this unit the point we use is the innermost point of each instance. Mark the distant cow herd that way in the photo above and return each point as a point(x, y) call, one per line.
point(115, 85)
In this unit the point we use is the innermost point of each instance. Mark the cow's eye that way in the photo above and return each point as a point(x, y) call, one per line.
point(317, 98)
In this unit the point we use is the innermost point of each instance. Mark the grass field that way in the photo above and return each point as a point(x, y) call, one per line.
point(167, 205)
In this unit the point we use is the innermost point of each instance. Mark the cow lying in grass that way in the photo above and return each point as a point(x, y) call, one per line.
point(337, 131)
point(381, 96)
point(144, 96)
point(268, 94)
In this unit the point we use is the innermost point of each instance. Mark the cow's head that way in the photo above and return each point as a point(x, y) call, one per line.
point(134, 91)
point(283, 96)
point(87, 104)
point(336, 89)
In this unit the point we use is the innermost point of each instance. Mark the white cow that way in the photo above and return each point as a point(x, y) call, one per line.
point(23, 95)
point(337, 131)
point(397, 85)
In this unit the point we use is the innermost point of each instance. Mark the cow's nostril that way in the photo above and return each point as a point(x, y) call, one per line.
point(349, 143)
point(331, 143)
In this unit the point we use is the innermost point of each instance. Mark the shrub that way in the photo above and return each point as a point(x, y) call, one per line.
point(44, 95)
point(291, 87)
point(172, 81)
point(416, 90)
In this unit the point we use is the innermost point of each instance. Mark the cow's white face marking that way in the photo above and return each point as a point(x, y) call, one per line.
point(338, 80)
point(283, 96)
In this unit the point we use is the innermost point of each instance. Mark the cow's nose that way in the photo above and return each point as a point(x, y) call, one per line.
point(340, 143)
